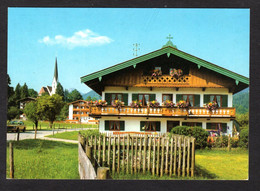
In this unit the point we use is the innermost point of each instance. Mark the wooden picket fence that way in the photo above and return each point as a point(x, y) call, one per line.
point(160, 156)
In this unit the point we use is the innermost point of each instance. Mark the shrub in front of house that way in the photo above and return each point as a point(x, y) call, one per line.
point(89, 133)
point(197, 132)
point(243, 140)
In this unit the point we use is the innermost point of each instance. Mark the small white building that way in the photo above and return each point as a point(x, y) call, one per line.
point(79, 112)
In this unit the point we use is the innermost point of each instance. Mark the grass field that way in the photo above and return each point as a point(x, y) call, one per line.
point(215, 164)
point(44, 125)
point(222, 165)
point(41, 159)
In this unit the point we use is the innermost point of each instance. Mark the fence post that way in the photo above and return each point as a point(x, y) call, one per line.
point(229, 144)
point(171, 155)
point(18, 134)
point(193, 157)
point(154, 152)
point(132, 153)
point(184, 157)
point(175, 155)
point(158, 156)
point(127, 154)
point(89, 152)
point(104, 150)
point(179, 157)
point(11, 160)
point(118, 155)
point(102, 173)
point(162, 157)
point(145, 145)
point(188, 158)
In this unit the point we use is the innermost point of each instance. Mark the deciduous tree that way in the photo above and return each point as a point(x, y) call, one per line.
point(49, 107)
point(32, 93)
point(32, 114)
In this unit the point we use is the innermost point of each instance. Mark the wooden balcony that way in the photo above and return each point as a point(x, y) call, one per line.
point(166, 79)
point(162, 111)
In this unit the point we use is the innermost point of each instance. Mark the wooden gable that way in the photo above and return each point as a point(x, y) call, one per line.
point(138, 73)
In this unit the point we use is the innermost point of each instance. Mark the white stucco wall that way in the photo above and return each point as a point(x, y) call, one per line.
point(70, 112)
point(160, 91)
point(133, 124)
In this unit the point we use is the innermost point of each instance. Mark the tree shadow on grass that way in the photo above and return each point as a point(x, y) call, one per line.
point(30, 144)
point(204, 173)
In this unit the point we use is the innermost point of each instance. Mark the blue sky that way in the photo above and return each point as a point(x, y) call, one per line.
point(86, 40)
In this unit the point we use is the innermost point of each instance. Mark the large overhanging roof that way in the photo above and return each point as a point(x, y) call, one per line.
point(168, 50)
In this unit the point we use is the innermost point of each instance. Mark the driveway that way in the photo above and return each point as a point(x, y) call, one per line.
point(40, 134)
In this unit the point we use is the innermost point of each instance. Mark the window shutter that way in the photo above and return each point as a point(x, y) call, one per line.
point(142, 124)
point(158, 126)
point(184, 124)
point(208, 125)
point(224, 101)
point(122, 125)
point(224, 127)
point(178, 97)
point(206, 98)
point(199, 124)
point(197, 100)
point(152, 97)
point(108, 98)
point(134, 97)
point(107, 125)
point(125, 99)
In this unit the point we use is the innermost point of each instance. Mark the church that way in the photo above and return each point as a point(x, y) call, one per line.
point(50, 90)
point(165, 88)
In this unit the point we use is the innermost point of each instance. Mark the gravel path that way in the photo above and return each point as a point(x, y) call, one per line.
point(40, 135)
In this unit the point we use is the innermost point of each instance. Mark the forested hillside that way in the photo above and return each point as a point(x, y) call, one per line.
point(241, 102)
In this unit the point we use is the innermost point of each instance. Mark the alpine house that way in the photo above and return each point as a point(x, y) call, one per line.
point(164, 89)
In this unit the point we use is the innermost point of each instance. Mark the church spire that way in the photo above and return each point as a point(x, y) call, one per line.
point(56, 70)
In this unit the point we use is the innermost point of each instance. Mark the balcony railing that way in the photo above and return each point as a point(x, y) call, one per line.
point(167, 79)
point(162, 111)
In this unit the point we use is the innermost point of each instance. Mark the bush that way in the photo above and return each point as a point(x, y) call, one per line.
point(197, 132)
point(88, 133)
point(234, 142)
point(243, 141)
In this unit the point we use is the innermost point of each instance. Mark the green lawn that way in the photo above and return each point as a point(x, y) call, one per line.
point(72, 135)
point(41, 159)
point(44, 125)
point(222, 165)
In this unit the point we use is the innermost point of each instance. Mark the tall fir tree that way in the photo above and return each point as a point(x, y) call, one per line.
point(32, 93)
point(60, 90)
point(66, 95)
point(17, 92)
point(74, 96)
point(24, 91)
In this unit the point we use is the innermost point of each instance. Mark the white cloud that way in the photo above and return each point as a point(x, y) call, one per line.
point(81, 38)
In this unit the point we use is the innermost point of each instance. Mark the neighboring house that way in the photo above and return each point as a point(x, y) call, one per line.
point(79, 112)
point(50, 90)
point(150, 77)
point(23, 103)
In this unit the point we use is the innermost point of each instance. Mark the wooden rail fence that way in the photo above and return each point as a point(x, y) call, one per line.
point(159, 156)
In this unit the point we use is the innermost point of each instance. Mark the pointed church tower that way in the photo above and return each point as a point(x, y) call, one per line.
point(55, 78)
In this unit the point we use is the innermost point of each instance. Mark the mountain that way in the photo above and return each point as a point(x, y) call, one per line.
point(241, 101)
point(91, 94)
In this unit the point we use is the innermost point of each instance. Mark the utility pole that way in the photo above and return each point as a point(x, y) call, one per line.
point(136, 49)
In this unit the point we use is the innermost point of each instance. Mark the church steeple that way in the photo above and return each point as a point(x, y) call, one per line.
point(55, 78)
point(56, 70)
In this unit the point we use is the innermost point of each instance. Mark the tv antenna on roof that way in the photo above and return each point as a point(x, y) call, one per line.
point(136, 49)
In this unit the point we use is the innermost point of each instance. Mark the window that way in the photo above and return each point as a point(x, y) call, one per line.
point(116, 96)
point(144, 98)
point(192, 99)
point(166, 97)
point(188, 98)
point(221, 127)
point(150, 126)
point(222, 100)
point(192, 124)
point(115, 125)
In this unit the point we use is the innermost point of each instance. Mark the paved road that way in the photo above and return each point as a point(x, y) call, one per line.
point(40, 134)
